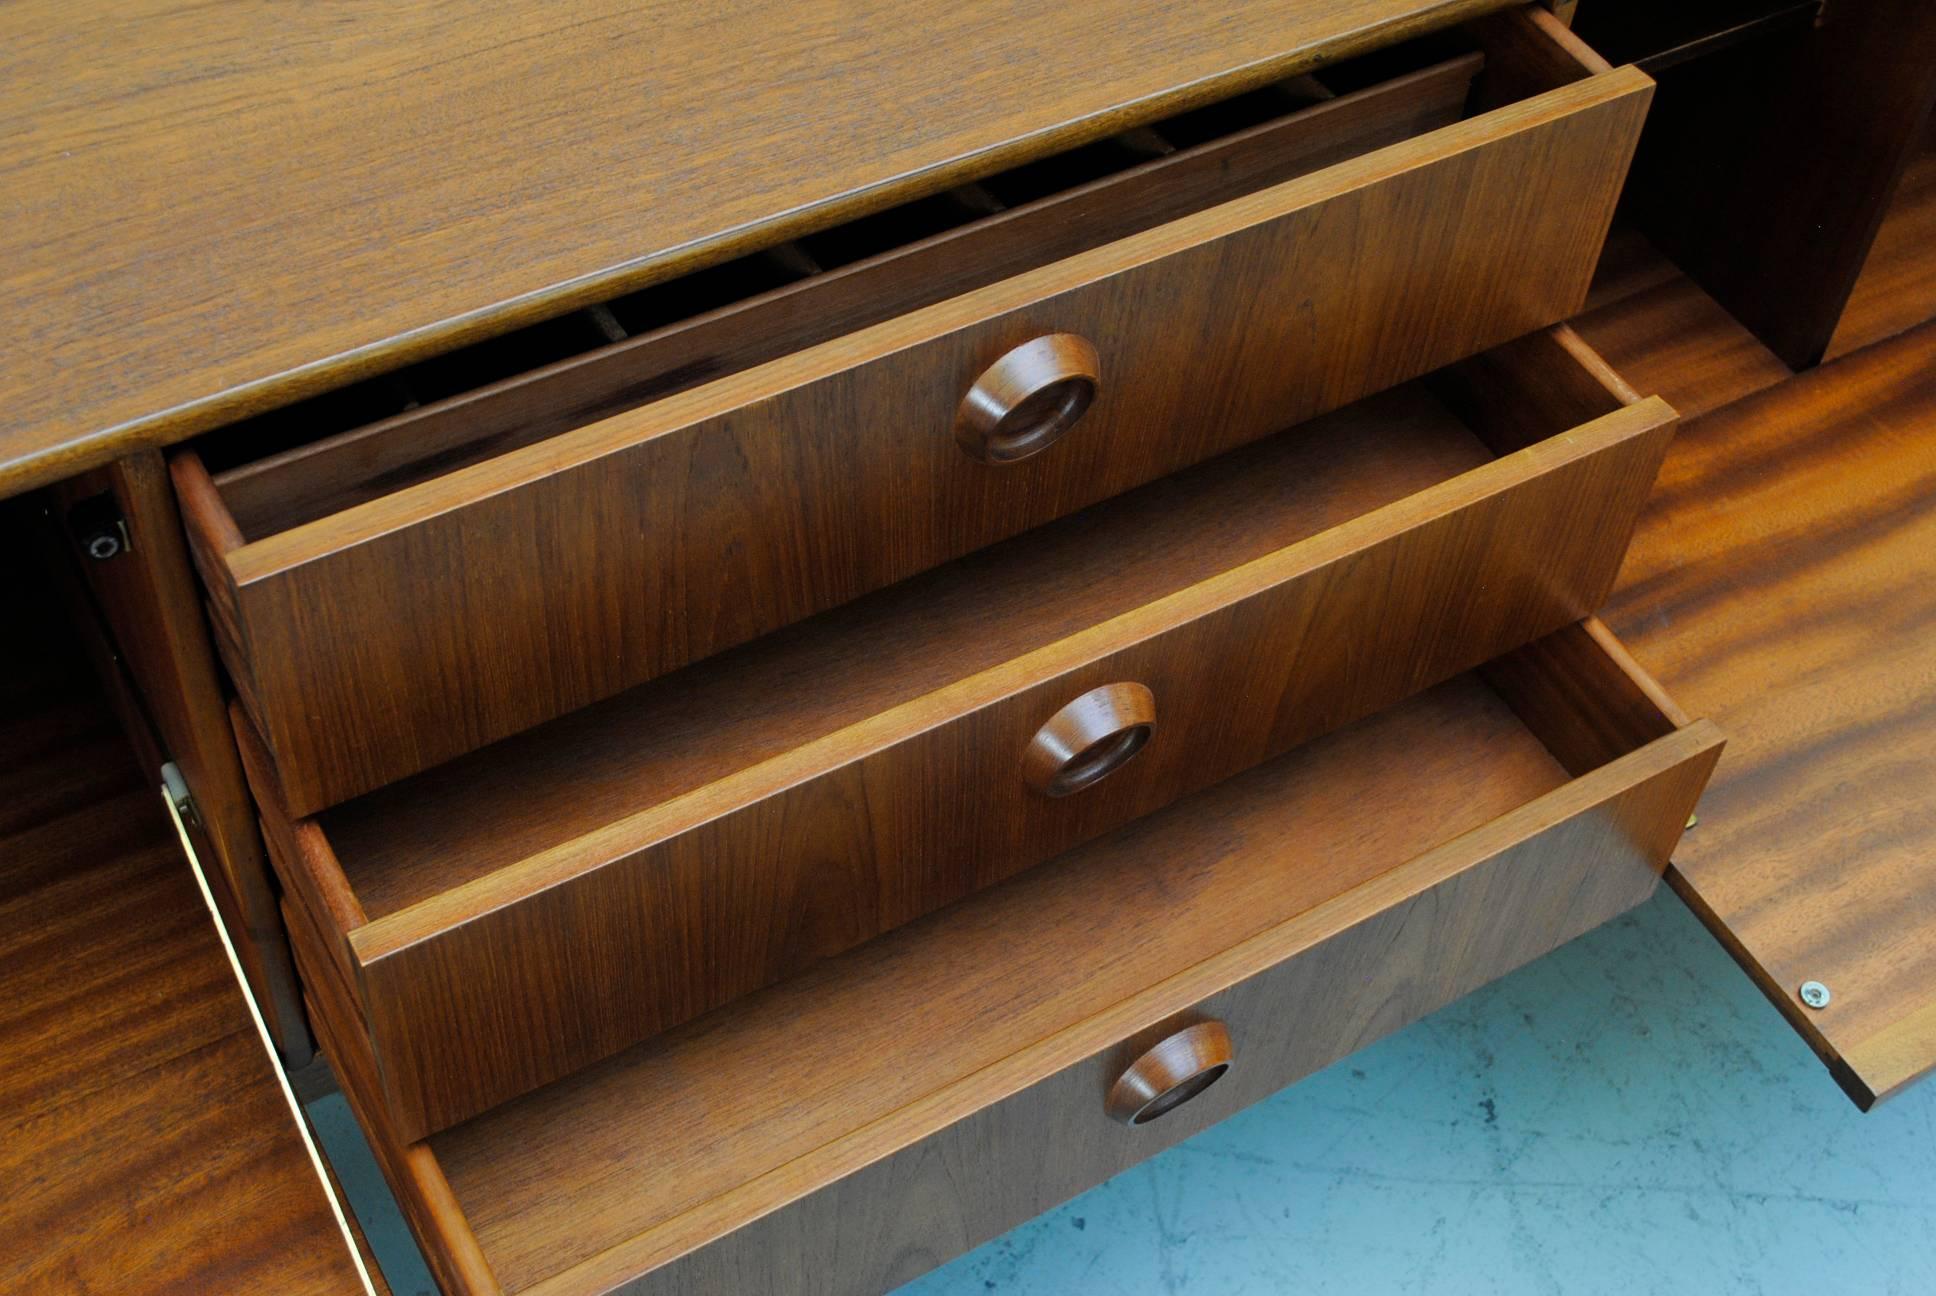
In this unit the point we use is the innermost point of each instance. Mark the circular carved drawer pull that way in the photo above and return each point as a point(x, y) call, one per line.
point(1172, 1073)
point(1027, 399)
point(1089, 739)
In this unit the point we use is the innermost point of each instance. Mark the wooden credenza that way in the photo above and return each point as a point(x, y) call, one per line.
point(796, 638)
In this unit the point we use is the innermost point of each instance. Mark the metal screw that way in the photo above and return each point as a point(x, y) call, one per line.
point(1815, 994)
point(98, 527)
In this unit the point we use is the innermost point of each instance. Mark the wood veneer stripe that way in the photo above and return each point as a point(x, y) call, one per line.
point(1596, 365)
point(1649, 687)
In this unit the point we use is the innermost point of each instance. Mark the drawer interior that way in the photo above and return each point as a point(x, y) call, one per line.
point(295, 465)
point(407, 630)
point(689, 1136)
point(717, 722)
point(581, 790)
point(629, 866)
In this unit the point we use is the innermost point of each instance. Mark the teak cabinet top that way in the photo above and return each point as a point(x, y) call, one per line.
point(214, 210)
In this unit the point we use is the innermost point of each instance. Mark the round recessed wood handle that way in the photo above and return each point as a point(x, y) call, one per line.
point(1176, 1070)
point(1089, 739)
point(1025, 401)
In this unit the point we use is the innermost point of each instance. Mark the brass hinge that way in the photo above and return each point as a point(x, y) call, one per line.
point(175, 796)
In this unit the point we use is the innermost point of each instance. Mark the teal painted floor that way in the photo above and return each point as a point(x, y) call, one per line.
point(1627, 1115)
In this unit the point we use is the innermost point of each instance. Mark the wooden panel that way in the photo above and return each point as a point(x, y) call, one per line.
point(1585, 696)
point(1280, 901)
point(1015, 1158)
point(810, 840)
point(150, 600)
point(729, 717)
point(1897, 290)
point(1657, 34)
point(301, 858)
point(416, 1180)
point(1668, 338)
point(314, 480)
point(432, 621)
point(1517, 395)
point(189, 241)
point(1781, 583)
point(1766, 169)
point(450, 827)
point(142, 1131)
point(1433, 741)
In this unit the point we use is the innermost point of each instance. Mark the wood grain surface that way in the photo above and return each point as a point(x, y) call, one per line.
point(415, 627)
point(948, 1080)
point(1897, 290)
point(1668, 338)
point(416, 1180)
point(1780, 583)
point(315, 479)
point(548, 901)
point(212, 210)
point(1767, 168)
point(1459, 725)
point(150, 601)
point(143, 1137)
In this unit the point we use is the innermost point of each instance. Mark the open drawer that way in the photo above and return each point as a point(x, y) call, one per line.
point(854, 1126)
point(521, 912)
point(403, 592)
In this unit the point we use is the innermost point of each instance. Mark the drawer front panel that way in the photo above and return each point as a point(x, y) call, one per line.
point(896, 1200)
point(415, 627)
point(489, 990)
point(379, 458)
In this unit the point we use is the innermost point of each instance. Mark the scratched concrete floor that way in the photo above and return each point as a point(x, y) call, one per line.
point(1627, 1115)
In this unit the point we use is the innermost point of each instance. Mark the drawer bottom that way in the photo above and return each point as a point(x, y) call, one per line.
point(853, 1127)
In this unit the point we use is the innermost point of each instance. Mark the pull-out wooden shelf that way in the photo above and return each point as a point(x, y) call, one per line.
point(858, 1124)
point(424, 605)
point(540, 904)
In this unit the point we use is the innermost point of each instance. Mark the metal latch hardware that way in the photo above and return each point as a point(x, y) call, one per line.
point(178, 794)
